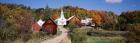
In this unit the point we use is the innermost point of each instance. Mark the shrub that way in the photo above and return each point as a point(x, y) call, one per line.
point(9, 33)
point(78, 36)
point(71, 27)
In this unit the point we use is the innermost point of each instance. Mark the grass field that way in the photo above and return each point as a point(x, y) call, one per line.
point(92, 39)
point(100, 36)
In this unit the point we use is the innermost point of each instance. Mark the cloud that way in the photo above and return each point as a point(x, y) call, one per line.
point(113, 1)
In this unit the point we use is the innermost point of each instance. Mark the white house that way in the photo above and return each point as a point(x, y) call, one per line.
point(61, 20)
point(40, 22)
point(87, 21)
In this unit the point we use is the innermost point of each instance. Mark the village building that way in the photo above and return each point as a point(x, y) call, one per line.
point(92, 25)
point(86, 22)
point(50, 26)
point(61, 21)
point(40, 22)
point(36, 27)
point(74, 20)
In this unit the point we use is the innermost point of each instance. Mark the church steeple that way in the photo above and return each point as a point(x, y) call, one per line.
point(62, 14)
point(62, 20)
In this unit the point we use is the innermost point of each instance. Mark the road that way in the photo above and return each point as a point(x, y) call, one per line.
point(62, 38)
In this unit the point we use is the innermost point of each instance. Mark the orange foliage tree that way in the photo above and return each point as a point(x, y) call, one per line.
point(96, 18)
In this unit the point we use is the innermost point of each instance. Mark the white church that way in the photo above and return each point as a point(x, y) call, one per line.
point(61, 21)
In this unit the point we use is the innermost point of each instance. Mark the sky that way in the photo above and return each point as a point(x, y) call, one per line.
point(116, 6)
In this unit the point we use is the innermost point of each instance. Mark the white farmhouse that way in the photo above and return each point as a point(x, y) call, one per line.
point(86, 21)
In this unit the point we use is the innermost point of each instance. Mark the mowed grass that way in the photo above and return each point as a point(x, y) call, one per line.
point(92, 39)
point(103, 37)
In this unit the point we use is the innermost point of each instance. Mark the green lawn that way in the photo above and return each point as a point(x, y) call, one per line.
point(104, 36)
point(92, 39)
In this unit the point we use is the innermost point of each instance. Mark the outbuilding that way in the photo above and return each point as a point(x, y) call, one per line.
point(50, 26)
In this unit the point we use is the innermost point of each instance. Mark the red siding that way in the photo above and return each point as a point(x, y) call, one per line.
point(35, 27)
point(76, 21)
point(50, 26)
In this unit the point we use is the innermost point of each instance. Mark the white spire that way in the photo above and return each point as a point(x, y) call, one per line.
point(62, 19)
point(62, 14)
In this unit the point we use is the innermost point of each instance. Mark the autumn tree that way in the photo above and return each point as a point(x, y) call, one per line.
point(17, 21)
point(129, 21)
point(96, 18)
point(55, 14)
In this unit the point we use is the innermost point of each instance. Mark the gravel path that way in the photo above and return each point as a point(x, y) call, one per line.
point(62, 38)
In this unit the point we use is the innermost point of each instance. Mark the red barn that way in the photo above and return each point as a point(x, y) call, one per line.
point(50, 26)
point(35, 27)
point(74, 20)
